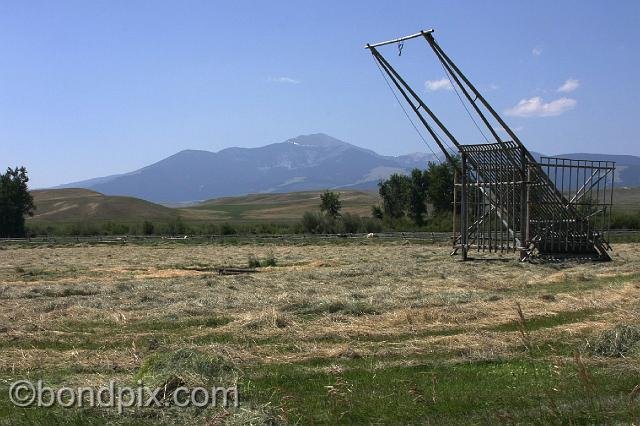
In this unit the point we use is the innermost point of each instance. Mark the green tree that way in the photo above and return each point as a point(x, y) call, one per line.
point(351, 223)
point(176, 226)
point(395, 193)
point(439, 178)
point(147, 227)
point(228, 229)
point(376, 212)
point(330, 203)
point(15, 202)
point(418, 196)
point(409, 195)
point(311, 222)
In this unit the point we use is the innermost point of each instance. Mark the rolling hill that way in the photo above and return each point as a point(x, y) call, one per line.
point(77, 205)
point(275, 207)
point(64, 206)
point(73, 205)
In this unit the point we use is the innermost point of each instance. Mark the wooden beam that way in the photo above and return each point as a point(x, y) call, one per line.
point(398, 40)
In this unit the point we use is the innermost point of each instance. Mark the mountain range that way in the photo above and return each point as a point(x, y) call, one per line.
point(307, 162)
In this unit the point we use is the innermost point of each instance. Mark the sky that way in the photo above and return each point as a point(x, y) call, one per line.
point(93, 88)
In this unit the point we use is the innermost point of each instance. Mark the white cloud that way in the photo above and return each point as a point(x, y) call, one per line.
point(442, 84)
point(537, 51)
point(287, 80)
point(569, 86)
point(535, 107)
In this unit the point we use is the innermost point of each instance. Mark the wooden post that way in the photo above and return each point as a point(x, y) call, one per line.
point(463, 206)
point(524, 206)
point(455, 206)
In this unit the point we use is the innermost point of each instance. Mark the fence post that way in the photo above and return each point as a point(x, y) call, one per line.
point(463, 206)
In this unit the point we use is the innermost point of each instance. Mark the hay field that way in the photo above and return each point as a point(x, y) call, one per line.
point(351, 332)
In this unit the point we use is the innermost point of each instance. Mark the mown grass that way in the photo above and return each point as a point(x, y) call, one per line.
point(373, 332)
point(547, 321)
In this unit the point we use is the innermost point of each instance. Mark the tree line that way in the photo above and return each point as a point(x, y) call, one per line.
point(411, 196)
point(424, 197)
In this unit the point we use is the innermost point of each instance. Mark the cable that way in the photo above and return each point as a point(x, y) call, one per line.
point(462, 102)
point(451, 149)
point(405, 112)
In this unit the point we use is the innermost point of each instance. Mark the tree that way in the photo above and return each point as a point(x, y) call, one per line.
point(176, 226)
point(330, 204)
point(351, 223)
point(418, 196)
point(311, 223)
point(408, 195)
point(440, 186)
point(147, 227)
point(15, 202)
point(395, 193)
point(376, 212)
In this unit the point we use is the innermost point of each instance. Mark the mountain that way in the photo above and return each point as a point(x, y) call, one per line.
point(304, 163)
point(309, 162)
point(76, 205)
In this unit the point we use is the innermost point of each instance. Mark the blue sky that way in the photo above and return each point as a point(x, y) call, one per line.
point(92, 88)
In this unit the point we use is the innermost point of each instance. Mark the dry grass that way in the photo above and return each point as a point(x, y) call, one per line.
point(101, 311)
point(318, 296)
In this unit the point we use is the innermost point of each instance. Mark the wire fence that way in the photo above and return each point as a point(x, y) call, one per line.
point(435, 237)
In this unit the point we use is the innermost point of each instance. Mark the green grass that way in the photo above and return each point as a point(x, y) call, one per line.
point(177, 324)
point(572, 284)
point(467, 393)
point(423, 390)
point(11, 415)
point(311, 311)
point(547, 321)
point(192, 368)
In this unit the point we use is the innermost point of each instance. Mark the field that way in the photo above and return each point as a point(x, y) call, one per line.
point(360, 331)
point(276, 207)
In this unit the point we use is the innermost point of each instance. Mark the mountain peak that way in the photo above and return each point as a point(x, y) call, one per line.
point(316, 140)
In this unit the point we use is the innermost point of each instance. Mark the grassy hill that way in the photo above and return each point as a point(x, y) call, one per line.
point(275, 207)
point(626, 200)
point(68, 206)
point(55, 206)
point(65, 206)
